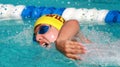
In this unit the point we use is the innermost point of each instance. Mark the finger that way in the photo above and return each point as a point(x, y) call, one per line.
point(73, 56)
point(76, 45)
point(76, 51)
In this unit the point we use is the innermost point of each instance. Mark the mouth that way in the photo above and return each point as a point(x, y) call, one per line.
point(45, 45)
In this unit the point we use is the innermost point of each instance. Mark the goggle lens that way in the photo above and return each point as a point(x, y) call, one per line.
point(43, 29)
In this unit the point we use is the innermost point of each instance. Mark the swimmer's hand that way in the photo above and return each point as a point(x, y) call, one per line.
point(71, 49)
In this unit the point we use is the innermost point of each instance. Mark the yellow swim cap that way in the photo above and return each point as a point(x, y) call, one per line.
point(51, 19)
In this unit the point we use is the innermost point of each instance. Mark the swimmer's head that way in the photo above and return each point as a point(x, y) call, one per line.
point(46, 28)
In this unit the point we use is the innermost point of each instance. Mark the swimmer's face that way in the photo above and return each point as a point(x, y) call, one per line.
point(45, 34)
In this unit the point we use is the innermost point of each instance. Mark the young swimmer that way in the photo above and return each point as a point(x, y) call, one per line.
point(53, 28)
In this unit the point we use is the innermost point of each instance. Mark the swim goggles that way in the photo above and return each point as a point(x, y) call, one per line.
point(42, 30)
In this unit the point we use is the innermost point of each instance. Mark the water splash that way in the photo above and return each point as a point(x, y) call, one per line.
point(104, 49)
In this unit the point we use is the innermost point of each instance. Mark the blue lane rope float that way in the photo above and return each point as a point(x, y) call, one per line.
point(81, 14)
point(113, 17)
point(27, 12)
point(35, 12)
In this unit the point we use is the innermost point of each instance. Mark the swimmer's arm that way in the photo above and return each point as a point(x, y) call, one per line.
point(69, 30)
point(64, 44)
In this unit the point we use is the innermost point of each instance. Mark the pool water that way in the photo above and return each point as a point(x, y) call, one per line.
point(18, 50)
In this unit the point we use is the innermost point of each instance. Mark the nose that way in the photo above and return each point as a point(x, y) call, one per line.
point(39, 38)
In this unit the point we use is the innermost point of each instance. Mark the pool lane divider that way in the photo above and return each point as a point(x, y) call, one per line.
point(83, 15)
